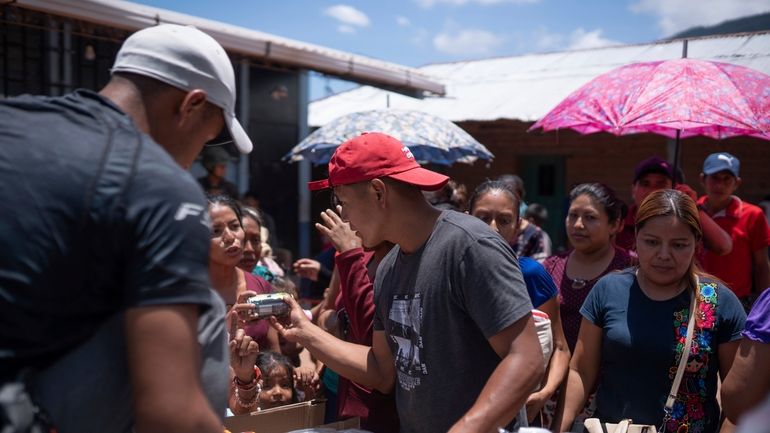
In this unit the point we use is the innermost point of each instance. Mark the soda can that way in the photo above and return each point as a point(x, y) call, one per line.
point(270, 304)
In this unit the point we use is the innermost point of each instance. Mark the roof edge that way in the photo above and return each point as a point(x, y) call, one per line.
point(263, 46)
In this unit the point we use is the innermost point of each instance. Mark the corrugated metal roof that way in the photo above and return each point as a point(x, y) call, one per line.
point(527, 87)
point(263, 46)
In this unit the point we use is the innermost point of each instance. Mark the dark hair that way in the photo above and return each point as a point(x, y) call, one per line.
point(514, 183)
point(225, 200)
point(614, 207)
point(489, 186)
point(252, 213)
point(537, 213)
point(268, 361)
point(668, 202)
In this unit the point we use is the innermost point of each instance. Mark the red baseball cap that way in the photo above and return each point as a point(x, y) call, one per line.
point(373, 155)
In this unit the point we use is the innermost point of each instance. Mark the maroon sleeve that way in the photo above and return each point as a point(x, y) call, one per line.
point(356, 295)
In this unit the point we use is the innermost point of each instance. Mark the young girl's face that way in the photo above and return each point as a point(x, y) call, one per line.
point(276, 388)
point(498, 209)
point(588, 226)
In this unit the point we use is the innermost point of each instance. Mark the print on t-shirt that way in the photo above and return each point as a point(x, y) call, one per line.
point(406, 317)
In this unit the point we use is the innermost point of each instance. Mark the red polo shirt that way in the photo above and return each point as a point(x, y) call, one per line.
point(748, 228)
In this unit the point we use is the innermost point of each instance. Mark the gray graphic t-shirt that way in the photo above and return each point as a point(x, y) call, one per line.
point(438, 306)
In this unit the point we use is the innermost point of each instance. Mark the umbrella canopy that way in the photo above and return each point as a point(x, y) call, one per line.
point(683, 97)
point(431, 139)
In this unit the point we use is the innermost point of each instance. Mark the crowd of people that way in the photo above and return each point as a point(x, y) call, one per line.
point(126, 302)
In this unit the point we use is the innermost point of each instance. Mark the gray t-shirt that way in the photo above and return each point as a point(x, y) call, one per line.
point(438, 306)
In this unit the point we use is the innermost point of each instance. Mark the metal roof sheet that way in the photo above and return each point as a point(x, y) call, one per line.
point(526, 87)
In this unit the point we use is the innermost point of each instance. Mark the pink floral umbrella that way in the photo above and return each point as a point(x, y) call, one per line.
point(675, 98)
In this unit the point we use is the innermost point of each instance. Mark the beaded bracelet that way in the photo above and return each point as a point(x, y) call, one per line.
point(247, 386)
point(252, 401)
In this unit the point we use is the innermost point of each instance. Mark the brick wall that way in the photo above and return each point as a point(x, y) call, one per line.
point(606, 158)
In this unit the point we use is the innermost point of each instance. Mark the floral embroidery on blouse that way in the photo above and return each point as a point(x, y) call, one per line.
point(688, 408)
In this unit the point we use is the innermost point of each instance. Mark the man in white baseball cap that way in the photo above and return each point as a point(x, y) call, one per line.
point(107, 308)
point(188, 59)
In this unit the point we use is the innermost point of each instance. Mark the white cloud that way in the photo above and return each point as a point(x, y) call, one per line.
point(677, 15)
point(581, 39)
point(427, 4)
point(347, 15)
point(403, 21)
point(468, 42)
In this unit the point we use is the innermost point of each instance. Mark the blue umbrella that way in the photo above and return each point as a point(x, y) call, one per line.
point(431, 139)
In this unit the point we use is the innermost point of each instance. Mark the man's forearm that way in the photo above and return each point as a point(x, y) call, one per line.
point(352, 361)
point(715, 238)
point(557, 371)
point(505, 392)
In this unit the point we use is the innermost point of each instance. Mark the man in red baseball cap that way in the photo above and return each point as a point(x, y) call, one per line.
point(451, 307)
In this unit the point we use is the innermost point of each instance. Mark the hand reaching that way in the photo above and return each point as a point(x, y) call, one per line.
point(306, 380)
point(292, 326)
point(307, 268)
point(244, 309)
point(338, 231)
point(243, 349)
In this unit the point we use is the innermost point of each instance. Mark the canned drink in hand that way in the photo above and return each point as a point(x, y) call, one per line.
point(270, 304)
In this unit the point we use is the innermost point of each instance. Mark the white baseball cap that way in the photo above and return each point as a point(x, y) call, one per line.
point(186, 58)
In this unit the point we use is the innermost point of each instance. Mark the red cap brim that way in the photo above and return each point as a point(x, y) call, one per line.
point(318, 185)
point(424, 179)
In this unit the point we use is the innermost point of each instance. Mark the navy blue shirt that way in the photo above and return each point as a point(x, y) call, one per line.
point(540, 285)
point(97, 218)
point(638, 349)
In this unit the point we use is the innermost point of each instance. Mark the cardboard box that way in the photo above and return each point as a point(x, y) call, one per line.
point(279, 420)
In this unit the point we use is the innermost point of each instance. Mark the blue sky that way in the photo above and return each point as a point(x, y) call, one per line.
point(418, 32)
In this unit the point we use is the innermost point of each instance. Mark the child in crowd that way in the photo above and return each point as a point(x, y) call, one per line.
point(277, 381)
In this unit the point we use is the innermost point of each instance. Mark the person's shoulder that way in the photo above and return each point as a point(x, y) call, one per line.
point(556, 258)
point(257, 283)
point(711, 285)
point(156, 166)
point(751, 210)
point(530, 266)
point(531, 230)
point(23, 102)
point(461, 225)
point(618, 279)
